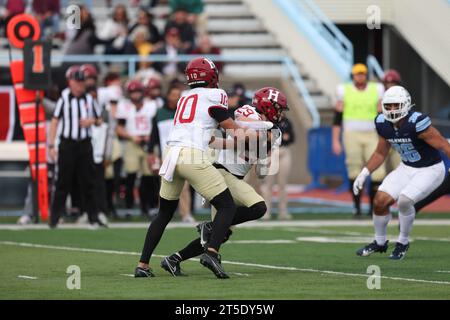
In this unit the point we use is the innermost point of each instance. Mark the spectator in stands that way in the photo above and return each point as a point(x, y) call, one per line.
point(162, 125)
point(392, 78)
point(115, 28)
point(145, 19)
point(47, 12)
point(83, 40)
point(139, 44)
point(205, 47)
point(8, 10)
point(172, 47)
point(179, 21)
point(195, 9)
point(358, 103)
point(284, 158)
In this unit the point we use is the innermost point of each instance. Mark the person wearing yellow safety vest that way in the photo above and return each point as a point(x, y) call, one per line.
point(358, 103)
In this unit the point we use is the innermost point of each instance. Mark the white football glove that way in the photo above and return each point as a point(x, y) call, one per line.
point(359, 181)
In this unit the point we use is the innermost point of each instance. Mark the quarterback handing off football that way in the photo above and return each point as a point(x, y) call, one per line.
point(184, 151)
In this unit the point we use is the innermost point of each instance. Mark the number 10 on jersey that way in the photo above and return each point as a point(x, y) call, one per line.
point(186, 109)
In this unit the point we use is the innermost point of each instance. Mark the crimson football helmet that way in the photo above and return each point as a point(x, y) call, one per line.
point(134, 85)
point(202, 72)
point(270, 102)
point(75, 73)
point(89, 71)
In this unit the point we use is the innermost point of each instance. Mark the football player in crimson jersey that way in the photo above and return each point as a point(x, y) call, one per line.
point(199, 111)
point(134, 124)
point(421, 171)
point(267, 106)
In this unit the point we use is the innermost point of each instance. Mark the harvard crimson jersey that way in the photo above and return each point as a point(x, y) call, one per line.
point(234, 161)
point(414, 151)
point(193, 124)
point(138, 122)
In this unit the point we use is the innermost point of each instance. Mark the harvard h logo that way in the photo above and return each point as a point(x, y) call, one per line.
point(273, 95)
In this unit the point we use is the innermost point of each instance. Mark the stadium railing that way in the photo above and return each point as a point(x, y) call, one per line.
point(374, 67)
point(329, 41)
point(290, 69)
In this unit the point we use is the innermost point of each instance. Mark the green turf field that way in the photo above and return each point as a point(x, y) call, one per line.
point(266, 262)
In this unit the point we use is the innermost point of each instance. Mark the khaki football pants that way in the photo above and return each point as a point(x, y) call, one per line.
point(359, 147)
point(243, 194)
point(193, 166)
point(135, 159)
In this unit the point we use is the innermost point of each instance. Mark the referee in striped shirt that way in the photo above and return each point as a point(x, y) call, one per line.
point(76, 111)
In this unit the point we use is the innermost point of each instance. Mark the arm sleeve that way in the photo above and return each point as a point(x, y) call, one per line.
point(423, 122)
point(154, 137)
point(218, 113)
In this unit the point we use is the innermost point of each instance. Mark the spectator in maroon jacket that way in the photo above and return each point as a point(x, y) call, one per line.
point(205, 47)
point(11, 8)
point(47, 13)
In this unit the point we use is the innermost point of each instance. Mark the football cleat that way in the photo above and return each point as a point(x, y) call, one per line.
point(371, 248)
point(213, 262)
point(172, 265)
point(143, 273)
point(205, 231)
point(399, 251)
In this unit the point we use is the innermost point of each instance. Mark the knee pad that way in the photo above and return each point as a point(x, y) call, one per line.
point(259, 209)
point(224, 200)
point(405, 205)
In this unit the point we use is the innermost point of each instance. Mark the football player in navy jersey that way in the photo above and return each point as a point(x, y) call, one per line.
point(420, 172)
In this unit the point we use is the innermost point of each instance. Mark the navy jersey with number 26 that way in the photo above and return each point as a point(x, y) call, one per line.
point(414, 152)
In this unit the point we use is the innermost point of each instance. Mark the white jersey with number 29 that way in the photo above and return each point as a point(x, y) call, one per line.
point(193, 123)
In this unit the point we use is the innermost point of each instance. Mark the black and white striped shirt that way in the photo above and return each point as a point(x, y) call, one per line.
point(70, 110)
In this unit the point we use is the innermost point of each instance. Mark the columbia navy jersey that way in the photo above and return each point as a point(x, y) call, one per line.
point(414, 152)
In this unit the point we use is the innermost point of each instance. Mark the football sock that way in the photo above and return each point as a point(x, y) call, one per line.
point(380, 223)
point(193, 249)
point(406, 216)
point(356, 198)
point(244, 214)
point(226, 210)
point(157, 227)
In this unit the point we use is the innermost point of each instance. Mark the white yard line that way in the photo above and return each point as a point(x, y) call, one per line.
point(256, 265)
point(274, 241)
point(443, 271)
point(26, 277)
point(251, 225)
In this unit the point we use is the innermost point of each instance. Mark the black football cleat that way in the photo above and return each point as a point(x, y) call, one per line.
point(399, 251)
point(143, 273)
point(213, 262)
point(172, 265)
point(205, 231)
point(371, 248)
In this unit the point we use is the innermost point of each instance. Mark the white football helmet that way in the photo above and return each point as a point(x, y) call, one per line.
point(396, 94)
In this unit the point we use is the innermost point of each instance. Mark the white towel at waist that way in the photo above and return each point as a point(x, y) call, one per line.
point(168, 166)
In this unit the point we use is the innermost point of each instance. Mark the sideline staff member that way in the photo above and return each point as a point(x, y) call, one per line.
point(76, 111)
point(358, 103)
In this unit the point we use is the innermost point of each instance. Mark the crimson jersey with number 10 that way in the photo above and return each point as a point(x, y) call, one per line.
point(193, 122)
